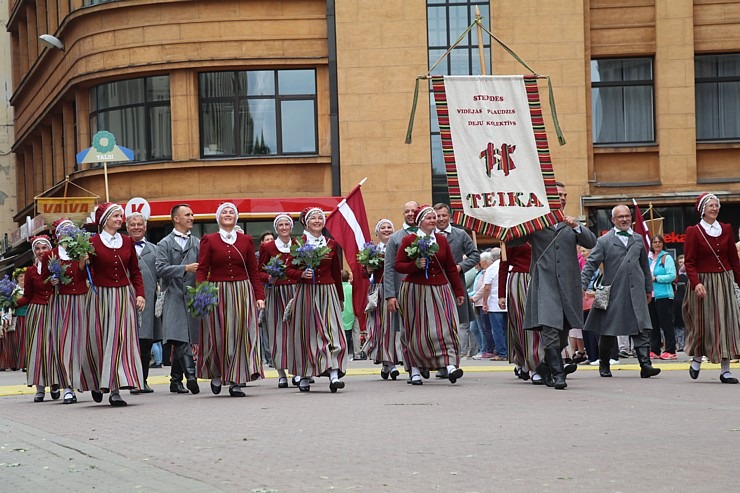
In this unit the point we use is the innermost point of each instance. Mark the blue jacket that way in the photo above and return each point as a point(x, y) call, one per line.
point(665, 273)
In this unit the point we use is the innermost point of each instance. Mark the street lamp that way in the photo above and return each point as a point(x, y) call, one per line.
point(52, 41)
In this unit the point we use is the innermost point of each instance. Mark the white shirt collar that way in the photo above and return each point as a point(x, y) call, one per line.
point(313, 240)
point(111, 241)
point(421, 234)
point(228, 237)
point(407, 226)
point(714, 230)
point(381, 246)
point(446, 231)
point(282, 247)
point(63, 253)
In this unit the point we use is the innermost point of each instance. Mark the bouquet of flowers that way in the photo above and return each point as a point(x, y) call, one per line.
point(422, 247)
point(202, 299)
point(58, 271)
point(9, 292)
point(370, 256)
point(308, 255)
point(76, 241)
point(275, 267)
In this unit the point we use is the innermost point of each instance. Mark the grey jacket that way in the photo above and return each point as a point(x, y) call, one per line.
point(392, 278)
point(554, 294)
point(150, 326)
point(177, 323)
point(462, 246)
point(627, 313)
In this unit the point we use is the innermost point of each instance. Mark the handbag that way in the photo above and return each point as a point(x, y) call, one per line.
point(372, 300)
point(159, 304)
point(603, 293)
point(288, 314)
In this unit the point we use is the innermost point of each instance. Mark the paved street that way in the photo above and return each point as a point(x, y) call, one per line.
point(489, 432)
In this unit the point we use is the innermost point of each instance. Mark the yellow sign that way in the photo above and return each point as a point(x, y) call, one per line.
point(76, 209)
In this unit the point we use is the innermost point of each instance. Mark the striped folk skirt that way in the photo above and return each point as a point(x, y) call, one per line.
point(524, 345)
point(229, 336)
point(383, 342)
point(69, 315)
point(14, 344)
point(712, 323)
point(317, 342)
point(41, 367)
point(109, 351)
point(276, 297)
point(429, 316)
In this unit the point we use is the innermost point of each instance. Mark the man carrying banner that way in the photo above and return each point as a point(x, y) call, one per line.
point(554, 300)
point(392, 279)
point(466, 257)
point(627, 273)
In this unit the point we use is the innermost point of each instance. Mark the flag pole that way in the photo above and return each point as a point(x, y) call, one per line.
point(344, 200)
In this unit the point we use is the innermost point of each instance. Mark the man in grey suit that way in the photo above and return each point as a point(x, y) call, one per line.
point(627, 271)
point(150, 329)
point(391, 278)
point(554, 299)
point(466, 257)
point(177, 261)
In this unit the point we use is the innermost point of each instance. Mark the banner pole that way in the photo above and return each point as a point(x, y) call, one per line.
point(105, 175)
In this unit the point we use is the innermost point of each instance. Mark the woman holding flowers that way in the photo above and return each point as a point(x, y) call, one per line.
point(383, 344)
point(69, 304)
point(110, 358)
point(15, 333)
point(40, 358)
point(273, 259)
point(229, 336)
point(318, 346)
point(426, 301)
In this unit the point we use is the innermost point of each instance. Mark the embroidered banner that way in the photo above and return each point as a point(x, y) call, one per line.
point(499, 171)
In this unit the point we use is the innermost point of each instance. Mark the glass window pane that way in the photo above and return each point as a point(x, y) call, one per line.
point(460, 61)
point(158, 88)
point(433, 112)
point(476, 60)
point(705, 66)
point(257, 83)
point(637, 69)
point(257, 127)
point(216, 85)
point(121, 93)
point(437, 26)
point(438, 162)
point(296, 82)
point(217, 124)
point(440, 69)
point(728, 65)
point(160, 124)
point(298, 126)
point(458, 23)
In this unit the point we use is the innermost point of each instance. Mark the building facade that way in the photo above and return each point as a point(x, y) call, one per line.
point(302, 99)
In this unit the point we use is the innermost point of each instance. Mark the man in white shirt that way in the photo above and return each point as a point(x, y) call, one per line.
point(496, 315)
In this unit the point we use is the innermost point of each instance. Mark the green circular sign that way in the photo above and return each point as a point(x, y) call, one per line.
point(104, 141)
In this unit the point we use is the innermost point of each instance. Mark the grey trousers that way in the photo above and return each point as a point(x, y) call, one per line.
point(468, 343)
point(552, 337)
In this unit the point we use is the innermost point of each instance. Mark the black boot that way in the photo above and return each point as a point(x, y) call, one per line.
point(176, 373)
point(186, 363)
point(555, 362)
point(646, 368)
point(604, 369)
point(543, 370)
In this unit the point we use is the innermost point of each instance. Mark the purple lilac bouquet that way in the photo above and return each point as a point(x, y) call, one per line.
point(58, 272)
point(202, 299)
point(76, 241)
point(371, 256)
point(422, 247)
point(8, 292)
point(275, 268)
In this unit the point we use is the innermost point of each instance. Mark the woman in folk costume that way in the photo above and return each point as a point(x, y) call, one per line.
point(710, 308)
point(383, 344)
point(69, 313)
point(428, 304)
point(279, 293)
point(14, 343)
point(229, 336)
point(318, 346)
point(109, 357)
point(41, 361)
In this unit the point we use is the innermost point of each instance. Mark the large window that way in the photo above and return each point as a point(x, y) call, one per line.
point(446, 21)
point(717, 97)
point(258, 112)
point(137, 113)
point(622, 101)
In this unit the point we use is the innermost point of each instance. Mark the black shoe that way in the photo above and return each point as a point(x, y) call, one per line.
point(147, 389)
point(441, 374)
point(116, 400)
point(216, 389)
point(416, 380)
point(55, 394)
point(455, 374)
point(192, 384)
point(646, 368)
point(570, 368)
point(178, 388)
point(424, 373)
point(523, 375)
point(156, 366)
point(97, 395)
point(384, 375)
point(604, 369)
point(236, 391)
point(304, 385)
point(135, 391)
point(335, 385)
point(282, 383)
point(39, 397)
point(694, 374)
point(541, 381)
point(730, 379)
point(394, 374)
point(295, 380)
point(70, 398)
